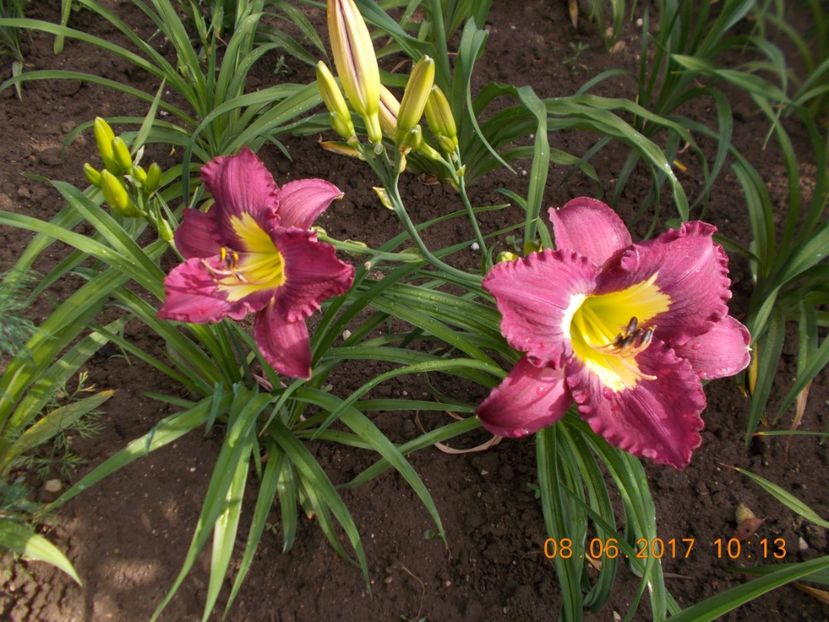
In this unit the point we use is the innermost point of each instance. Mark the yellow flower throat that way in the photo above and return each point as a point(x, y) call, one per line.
point(608, 331)
point(260, 267)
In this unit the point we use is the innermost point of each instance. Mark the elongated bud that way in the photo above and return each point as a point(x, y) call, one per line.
point(153, 178)
point(122, 153)
point(425, 149)
point(415, 96)
point(341, 149)
point(103, 138)
point(92, 175)
point(389, 109)
point(139, 174)
point(440, 120)
point(165, 232)
point(356, 62)
point(335, 102)
point(116, 195)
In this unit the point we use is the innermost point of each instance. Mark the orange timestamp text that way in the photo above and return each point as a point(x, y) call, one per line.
point(659, 548)
point(610, 548)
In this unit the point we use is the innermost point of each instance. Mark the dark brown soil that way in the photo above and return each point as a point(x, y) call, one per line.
point(127, 536)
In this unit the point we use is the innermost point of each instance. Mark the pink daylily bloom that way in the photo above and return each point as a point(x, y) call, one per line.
point(624, 330)
point(252, 252)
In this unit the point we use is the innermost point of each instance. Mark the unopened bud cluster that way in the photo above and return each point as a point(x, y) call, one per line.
point(125, 184)
point(381, 112)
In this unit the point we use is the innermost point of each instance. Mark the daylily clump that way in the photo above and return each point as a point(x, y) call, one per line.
point(626, 331)
point(253, 252)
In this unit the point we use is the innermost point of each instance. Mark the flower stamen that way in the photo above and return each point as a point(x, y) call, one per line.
point(230, 260)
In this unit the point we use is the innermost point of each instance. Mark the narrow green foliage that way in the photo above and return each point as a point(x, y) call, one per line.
point(15, 328)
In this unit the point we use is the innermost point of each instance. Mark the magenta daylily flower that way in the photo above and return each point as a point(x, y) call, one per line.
point(252, 252)
point(626, 331)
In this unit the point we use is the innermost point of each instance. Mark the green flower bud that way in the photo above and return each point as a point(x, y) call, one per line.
point(139, 174)
point(440, 120)
point(426, 150)
point(153, 178)
point(104, 137)
point(92, 175)
point(414, 97)
point(165, 232)
point(116, 195)
point(335, 102)
point(122, 153)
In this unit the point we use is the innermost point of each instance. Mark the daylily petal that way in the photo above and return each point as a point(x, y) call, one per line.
point(191, 294)
point(301, 201)
point(590, 228)
point(535, 295)
point(527, 400)
point(312, 273)
point(197, 235)
point(722, 351)
point(284, 344)
point(657, 419)
point(690, 269)
point(239, 184)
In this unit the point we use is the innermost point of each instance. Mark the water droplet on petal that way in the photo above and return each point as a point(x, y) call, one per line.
point(541, 389)
point(650, 454)
point(608, 393)
point(696, 346)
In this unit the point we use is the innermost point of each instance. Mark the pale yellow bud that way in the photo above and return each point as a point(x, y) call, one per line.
point(335, 102)
point(415, 97)
point(341, 149)
point(356, 62)
point(389, 109)
point(441, 121)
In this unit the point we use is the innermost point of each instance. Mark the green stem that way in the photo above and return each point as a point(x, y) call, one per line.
point(400, 210)
point(487, 260)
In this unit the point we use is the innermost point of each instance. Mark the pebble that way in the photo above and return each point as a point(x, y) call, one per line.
point(24, 193)
point(52, 485)
point(50, 157)
point(67, 87)
point(802, 545)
